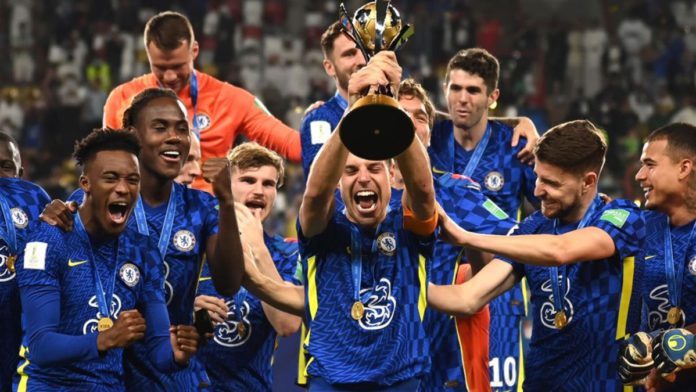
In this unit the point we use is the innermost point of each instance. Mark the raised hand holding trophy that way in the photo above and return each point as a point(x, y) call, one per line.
point(376, 127)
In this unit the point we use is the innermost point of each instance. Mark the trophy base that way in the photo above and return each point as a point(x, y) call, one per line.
point(376, 128)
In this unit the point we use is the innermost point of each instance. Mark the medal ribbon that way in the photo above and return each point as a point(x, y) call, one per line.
point(104, 306)
point(674, 271)
point(11, 233)
point(558, 285)
point(356, 255)
point(478, 152)
point(141, 220)
point(193, 84)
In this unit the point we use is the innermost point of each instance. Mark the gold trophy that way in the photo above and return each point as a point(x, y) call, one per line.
point(376, 127)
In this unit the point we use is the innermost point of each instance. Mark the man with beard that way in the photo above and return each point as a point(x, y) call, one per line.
point(578, 255)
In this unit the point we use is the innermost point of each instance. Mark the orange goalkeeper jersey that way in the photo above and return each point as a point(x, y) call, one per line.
point(222, 112)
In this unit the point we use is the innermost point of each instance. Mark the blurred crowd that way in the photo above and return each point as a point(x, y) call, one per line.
point(629, 66)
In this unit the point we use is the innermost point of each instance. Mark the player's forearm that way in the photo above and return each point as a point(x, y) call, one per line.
point(227, 260)
point(285, 324)
point(418, 181)
point(49, 348)
point(453, 300)
point(157, 340)
point(281, 295)
point(545, 249)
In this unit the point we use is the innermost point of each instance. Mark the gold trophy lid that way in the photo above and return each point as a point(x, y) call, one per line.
point(365, 23)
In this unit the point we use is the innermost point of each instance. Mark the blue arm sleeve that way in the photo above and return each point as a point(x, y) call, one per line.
point(48, 348)
point(157, 337)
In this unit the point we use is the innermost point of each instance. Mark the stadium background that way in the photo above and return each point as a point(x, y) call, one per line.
point(629, 66)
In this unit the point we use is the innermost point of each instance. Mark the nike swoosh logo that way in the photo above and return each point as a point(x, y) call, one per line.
point(649, 257)
point(75, 263)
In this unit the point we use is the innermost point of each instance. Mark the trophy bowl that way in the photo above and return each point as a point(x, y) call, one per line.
point(376, 127)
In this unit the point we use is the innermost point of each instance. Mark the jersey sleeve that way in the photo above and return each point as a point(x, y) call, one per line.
point(286, 260)
point(262, 127)
point(314, 132)
point(466, 205)
point(624, 223)
point(210, 214)
point(113, 109)
point(39, 263)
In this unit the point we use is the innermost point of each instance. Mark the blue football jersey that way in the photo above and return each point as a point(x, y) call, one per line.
point(62, 260)
point(196, 220)
point(387, 343)
point(317, 126)
point(462, 200)
point(241, 361)
point(601, 302)
point(25, 202)
point(655, 292)
point(506, 181)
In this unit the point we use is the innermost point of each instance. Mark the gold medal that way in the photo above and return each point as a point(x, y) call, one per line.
point(674, 315)
point(241, 330)
point(357, 311)
point(104, 324)
point(11, 263)
point(560, 320)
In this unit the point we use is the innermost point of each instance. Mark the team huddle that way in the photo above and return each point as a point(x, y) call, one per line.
point(408, 274)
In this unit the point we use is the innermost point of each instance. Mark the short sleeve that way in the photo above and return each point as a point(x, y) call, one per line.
point(624, 223)
point(39, 263)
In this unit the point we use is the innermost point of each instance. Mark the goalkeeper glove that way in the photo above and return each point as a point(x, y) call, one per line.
point(635, 360)
point(673, 350)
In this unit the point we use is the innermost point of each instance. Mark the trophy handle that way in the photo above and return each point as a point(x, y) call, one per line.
point(350, 29)
point(381, 8)
point(403, 36)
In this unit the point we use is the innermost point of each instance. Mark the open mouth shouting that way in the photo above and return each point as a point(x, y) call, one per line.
point(256, 206)
point(118, 212)
point(366, 201)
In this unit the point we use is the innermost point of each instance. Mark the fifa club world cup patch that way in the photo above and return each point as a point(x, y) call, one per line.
point(201, 121)
point(692, 265)
point(386, 242)
point(130, 274)
point(616, 217)
point(19, 218)
point(184, 240)
point(494, 181)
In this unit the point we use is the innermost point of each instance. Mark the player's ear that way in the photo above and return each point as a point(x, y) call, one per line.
point(194, 49)
point(84, 184)
point(589, 181)
point(329, 67)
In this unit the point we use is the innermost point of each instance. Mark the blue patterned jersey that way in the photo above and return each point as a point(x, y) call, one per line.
point(505, 180)
point(25, 201)
point(388, 343)
point(67, 266)
point(601, 303)
point(196, 220)
point(462, 200)
point(242, 362)
point(655, 294)
point(317, 126)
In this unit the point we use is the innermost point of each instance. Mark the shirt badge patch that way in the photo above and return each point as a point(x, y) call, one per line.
point(184, 240)
point(494, 181)
point(320, 131)
point(692, 265)
point(19, 218)
point(35, 255)
point(386, 242)
point(130, 274)
point(201, 121)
